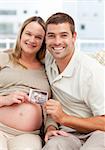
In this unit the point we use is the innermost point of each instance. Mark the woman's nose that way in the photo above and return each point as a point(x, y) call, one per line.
point(32, 39)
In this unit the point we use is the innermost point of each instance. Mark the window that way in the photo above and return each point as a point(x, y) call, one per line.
point(7, 12)
point(2, 45)
point(25, 11)
point(6, 28)
point(11, 45)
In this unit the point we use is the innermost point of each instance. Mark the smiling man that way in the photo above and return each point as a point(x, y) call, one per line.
point(77, 83)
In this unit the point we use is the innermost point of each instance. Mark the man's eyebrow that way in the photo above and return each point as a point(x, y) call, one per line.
point(50, 33)
point(64, 32)
point(60, 32)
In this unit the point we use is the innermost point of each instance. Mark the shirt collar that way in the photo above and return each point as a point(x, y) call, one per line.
point(69, 70)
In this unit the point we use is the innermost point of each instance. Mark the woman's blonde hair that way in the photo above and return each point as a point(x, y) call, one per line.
point(16, 52)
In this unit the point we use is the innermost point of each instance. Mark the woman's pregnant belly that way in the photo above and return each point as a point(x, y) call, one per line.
point(24, 117)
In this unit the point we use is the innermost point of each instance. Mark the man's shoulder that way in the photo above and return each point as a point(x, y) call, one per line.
point(48, 58)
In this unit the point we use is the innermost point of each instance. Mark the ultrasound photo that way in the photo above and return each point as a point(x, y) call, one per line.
point(38, 96)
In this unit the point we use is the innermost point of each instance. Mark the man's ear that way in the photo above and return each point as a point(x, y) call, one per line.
point(75, 35)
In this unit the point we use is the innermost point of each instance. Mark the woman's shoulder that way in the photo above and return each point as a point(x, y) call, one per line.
point(4, 58)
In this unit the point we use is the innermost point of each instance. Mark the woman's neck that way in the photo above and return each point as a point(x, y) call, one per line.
point(30, 62)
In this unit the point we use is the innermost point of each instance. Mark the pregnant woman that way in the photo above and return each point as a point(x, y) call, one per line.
point(20, 70)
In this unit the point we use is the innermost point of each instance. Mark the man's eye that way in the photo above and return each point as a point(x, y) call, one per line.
point(50, 36)
point(64, 35)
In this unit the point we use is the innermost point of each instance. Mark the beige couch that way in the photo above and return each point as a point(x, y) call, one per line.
point(99, 56)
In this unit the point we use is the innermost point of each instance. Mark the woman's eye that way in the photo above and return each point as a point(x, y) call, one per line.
point(38, 37)
point(28, 33)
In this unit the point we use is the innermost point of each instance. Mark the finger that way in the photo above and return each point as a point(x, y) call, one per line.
point(46, 138)
point(21, 98)
point(63, 133)
point(51, 102)
point(51, 108)
point(55, 134)
point(17, 101)
point(27, 97)
point(50, 112)
point(23, 94)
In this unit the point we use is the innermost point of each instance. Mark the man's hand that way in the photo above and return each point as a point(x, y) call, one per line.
point(54, 109)
point(53, 132)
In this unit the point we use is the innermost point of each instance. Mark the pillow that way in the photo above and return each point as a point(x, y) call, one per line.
point(99, 56)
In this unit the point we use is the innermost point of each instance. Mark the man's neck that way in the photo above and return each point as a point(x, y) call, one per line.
point(62, 63)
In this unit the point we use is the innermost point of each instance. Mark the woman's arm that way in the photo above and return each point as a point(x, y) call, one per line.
point(16, 97)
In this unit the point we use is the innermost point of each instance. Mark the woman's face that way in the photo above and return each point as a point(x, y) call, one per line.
point(32, 38)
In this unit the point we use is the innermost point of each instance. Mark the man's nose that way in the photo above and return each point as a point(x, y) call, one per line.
point(57, 40)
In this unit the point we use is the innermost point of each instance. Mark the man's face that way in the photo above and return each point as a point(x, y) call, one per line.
point(59, 40)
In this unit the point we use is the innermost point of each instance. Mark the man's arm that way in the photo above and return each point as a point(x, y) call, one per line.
point(85, 125)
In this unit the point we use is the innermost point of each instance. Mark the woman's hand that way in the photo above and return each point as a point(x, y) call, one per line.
point(13, 98)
